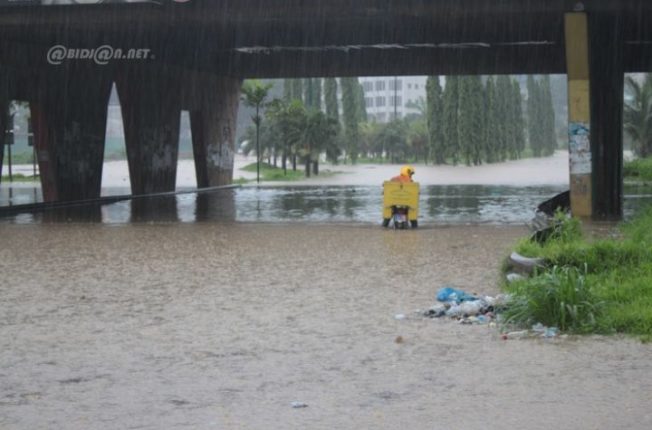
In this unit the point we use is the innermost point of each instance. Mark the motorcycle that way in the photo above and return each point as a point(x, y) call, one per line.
point(400, 204)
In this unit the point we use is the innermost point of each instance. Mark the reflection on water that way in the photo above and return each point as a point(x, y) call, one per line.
point(450, 204)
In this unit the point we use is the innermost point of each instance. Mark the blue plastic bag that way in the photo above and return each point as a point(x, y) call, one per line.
point(448, 294)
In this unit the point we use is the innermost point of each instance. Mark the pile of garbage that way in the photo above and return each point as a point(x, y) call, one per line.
point(472, 309)
point(465, 307)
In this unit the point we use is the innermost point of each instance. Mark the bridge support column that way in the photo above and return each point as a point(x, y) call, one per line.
point(579, 114)
point(594, 58)
point(213, 104)
point(151, 111)
point(607, 82)
point(69, 120)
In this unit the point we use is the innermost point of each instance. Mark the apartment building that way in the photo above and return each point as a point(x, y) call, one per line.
point(389, 97)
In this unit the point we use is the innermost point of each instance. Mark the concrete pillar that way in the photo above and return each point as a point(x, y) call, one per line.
point(213, 104)
point(606, 87)
point(151, 110)
point(579, 121)
point(69, 122)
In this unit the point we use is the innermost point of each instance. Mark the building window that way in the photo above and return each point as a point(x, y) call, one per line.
point(395, 82)
point(380, 85)
point(380, 101)
point(369, 101)
point(380, 117)
point(409, 86)
point(398, 101)
point(368, 86)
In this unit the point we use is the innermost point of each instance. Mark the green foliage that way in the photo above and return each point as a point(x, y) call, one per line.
point(434, 120)
point(19, 177)
point(637, 114)
point(640, 168)
point(271, 173)
point(605, 285)
point(541, 117)
point(560, 297)
point(351, 116)
point(450, 115)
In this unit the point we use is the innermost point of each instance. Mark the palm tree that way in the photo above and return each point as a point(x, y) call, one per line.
point(254, 94)
point(287, 119)
point(637, 115)
point(319, 134)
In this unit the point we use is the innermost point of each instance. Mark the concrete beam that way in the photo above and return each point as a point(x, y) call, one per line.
point(69, 120)
point(151, 110)
point(213, 115)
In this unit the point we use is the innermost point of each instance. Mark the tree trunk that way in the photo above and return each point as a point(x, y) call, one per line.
point(294, 162)
point(308, 163)
point(315, 167)
point(284, 162)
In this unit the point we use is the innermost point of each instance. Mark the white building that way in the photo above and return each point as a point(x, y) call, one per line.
point(389, 97)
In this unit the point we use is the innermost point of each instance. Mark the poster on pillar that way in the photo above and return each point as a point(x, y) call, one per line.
point(579, 148)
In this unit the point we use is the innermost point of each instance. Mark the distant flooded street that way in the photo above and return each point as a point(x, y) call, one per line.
point(439, 205)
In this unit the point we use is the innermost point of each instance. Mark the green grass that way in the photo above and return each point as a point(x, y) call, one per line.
point(638, 170)
point(19, 158)
point(590, 286)
point(271, 173)
point(19, 177)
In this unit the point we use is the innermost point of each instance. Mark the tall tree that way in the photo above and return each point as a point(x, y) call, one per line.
point(534, 116)
point(637, 115)
point(434, 120)
point(350, 114)
point(547, 117)
point(254, 94)
point(360, 102)
point(332, 111)
point(519, 121)
point(450, 116)
point(492, 121)
point(470, 119)
point(504, 116)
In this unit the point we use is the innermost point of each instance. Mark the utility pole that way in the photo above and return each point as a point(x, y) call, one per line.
point(395, 102)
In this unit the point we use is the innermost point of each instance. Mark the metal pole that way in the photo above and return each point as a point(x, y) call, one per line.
point(395, 102)
point(9, 142)
point(257, 145)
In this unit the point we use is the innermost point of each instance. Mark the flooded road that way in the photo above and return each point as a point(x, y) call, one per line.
point(439, 205)
point(223, 325)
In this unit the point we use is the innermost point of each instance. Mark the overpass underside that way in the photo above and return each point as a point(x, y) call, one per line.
point(199, 53)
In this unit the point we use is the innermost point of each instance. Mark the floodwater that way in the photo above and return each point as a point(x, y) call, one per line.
point(218, 309)
point(439, 205)
point(223, 325)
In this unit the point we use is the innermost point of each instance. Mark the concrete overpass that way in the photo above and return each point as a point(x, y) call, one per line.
point(198, 52)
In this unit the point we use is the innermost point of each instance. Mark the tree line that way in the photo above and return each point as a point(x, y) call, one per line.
point(469, 119)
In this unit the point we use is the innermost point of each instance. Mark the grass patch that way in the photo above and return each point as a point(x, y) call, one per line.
point(271, 173)
point(19, 177)
point(639, 169)
point(590, 286)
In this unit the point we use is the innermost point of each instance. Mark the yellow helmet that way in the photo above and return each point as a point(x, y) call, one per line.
point(407, 171)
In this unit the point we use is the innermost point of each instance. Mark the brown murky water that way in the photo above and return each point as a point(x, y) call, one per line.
point(222, 326)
